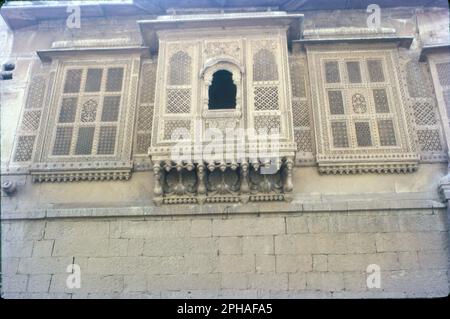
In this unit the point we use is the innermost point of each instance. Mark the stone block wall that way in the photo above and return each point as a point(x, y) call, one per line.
point(295, 255)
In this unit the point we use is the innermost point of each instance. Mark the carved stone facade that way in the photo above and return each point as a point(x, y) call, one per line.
point(362, 120)
point(187, 63)
point(222, 149)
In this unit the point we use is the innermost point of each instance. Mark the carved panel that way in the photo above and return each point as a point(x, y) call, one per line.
point(85, 140)
point(424, 109)
point(336, 102)
point(443, 71)
point(354, 72)
point(340, 135)
point(301, 114)
point(106, 140)
point(363, 135)
point(375, 68)
point(178, 101)
point(264, 66)
point(222, 48)
point(93, 80)
point(429, 140)
point(24, 148)
point(267, 124)
point(180, 69)
point(361, 123)
point(73, 81)
point(114, 80)
point(386, 133)
point(110, 109)
point(301, 111)
point(266, 98)
point(332, 74)
point(424, 113)
point(170, 126)
point(30, 120)
point(380, 100)
point(89, 111)
point(68, 110)
point(63, 141)
point(36, 92)
point(86, 123)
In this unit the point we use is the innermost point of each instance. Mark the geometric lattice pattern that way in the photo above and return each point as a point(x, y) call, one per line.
point(89, 111)
point(332, 72)
point(145, 117)
point(178, 101)
point(63, 141)
point(148, 74)
point(143, 142)
point(386, 133)
point(339, 132)
point(68, 110)
point(85, 140)
point(416, 79)
point(269, 124)
point(443, 71)
point(303, 140)
point(375, 70)
point(106, 140)
point(93, 80)
point(180, 69)
point(363, 136)
point(429, 140)
point(424, 113)
point(381, 101)
point(31, 118)
point(266, 98)
point(264, 66)
point(297, 79)
point(73, 81)
point(354, 72)
point(36, 93)
point(300, 113)
point(171, 126)
point(110, 110)
point(24, 148)
point(336, 102)
point(114, 80)
point(30, 121)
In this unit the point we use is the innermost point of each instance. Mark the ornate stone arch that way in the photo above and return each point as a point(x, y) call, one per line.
point(206, 76)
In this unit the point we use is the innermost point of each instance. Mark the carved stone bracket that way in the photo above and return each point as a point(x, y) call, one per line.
point(220, 182)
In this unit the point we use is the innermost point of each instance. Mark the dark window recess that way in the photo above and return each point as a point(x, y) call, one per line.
point(222, 92)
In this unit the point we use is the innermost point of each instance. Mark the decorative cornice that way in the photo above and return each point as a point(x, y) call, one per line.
point(347, 32)
point(367, 168)
point(149, 28)
point(74, 172)
point(401, 41)
point(48, 55)
point(76, 176)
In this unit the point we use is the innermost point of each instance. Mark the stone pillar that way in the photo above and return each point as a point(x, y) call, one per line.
point(157, 190)
point(201, 187)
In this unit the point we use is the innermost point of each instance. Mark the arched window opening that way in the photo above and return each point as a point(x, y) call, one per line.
point(222, 91)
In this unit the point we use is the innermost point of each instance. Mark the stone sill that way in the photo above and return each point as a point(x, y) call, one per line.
point(235, 209)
